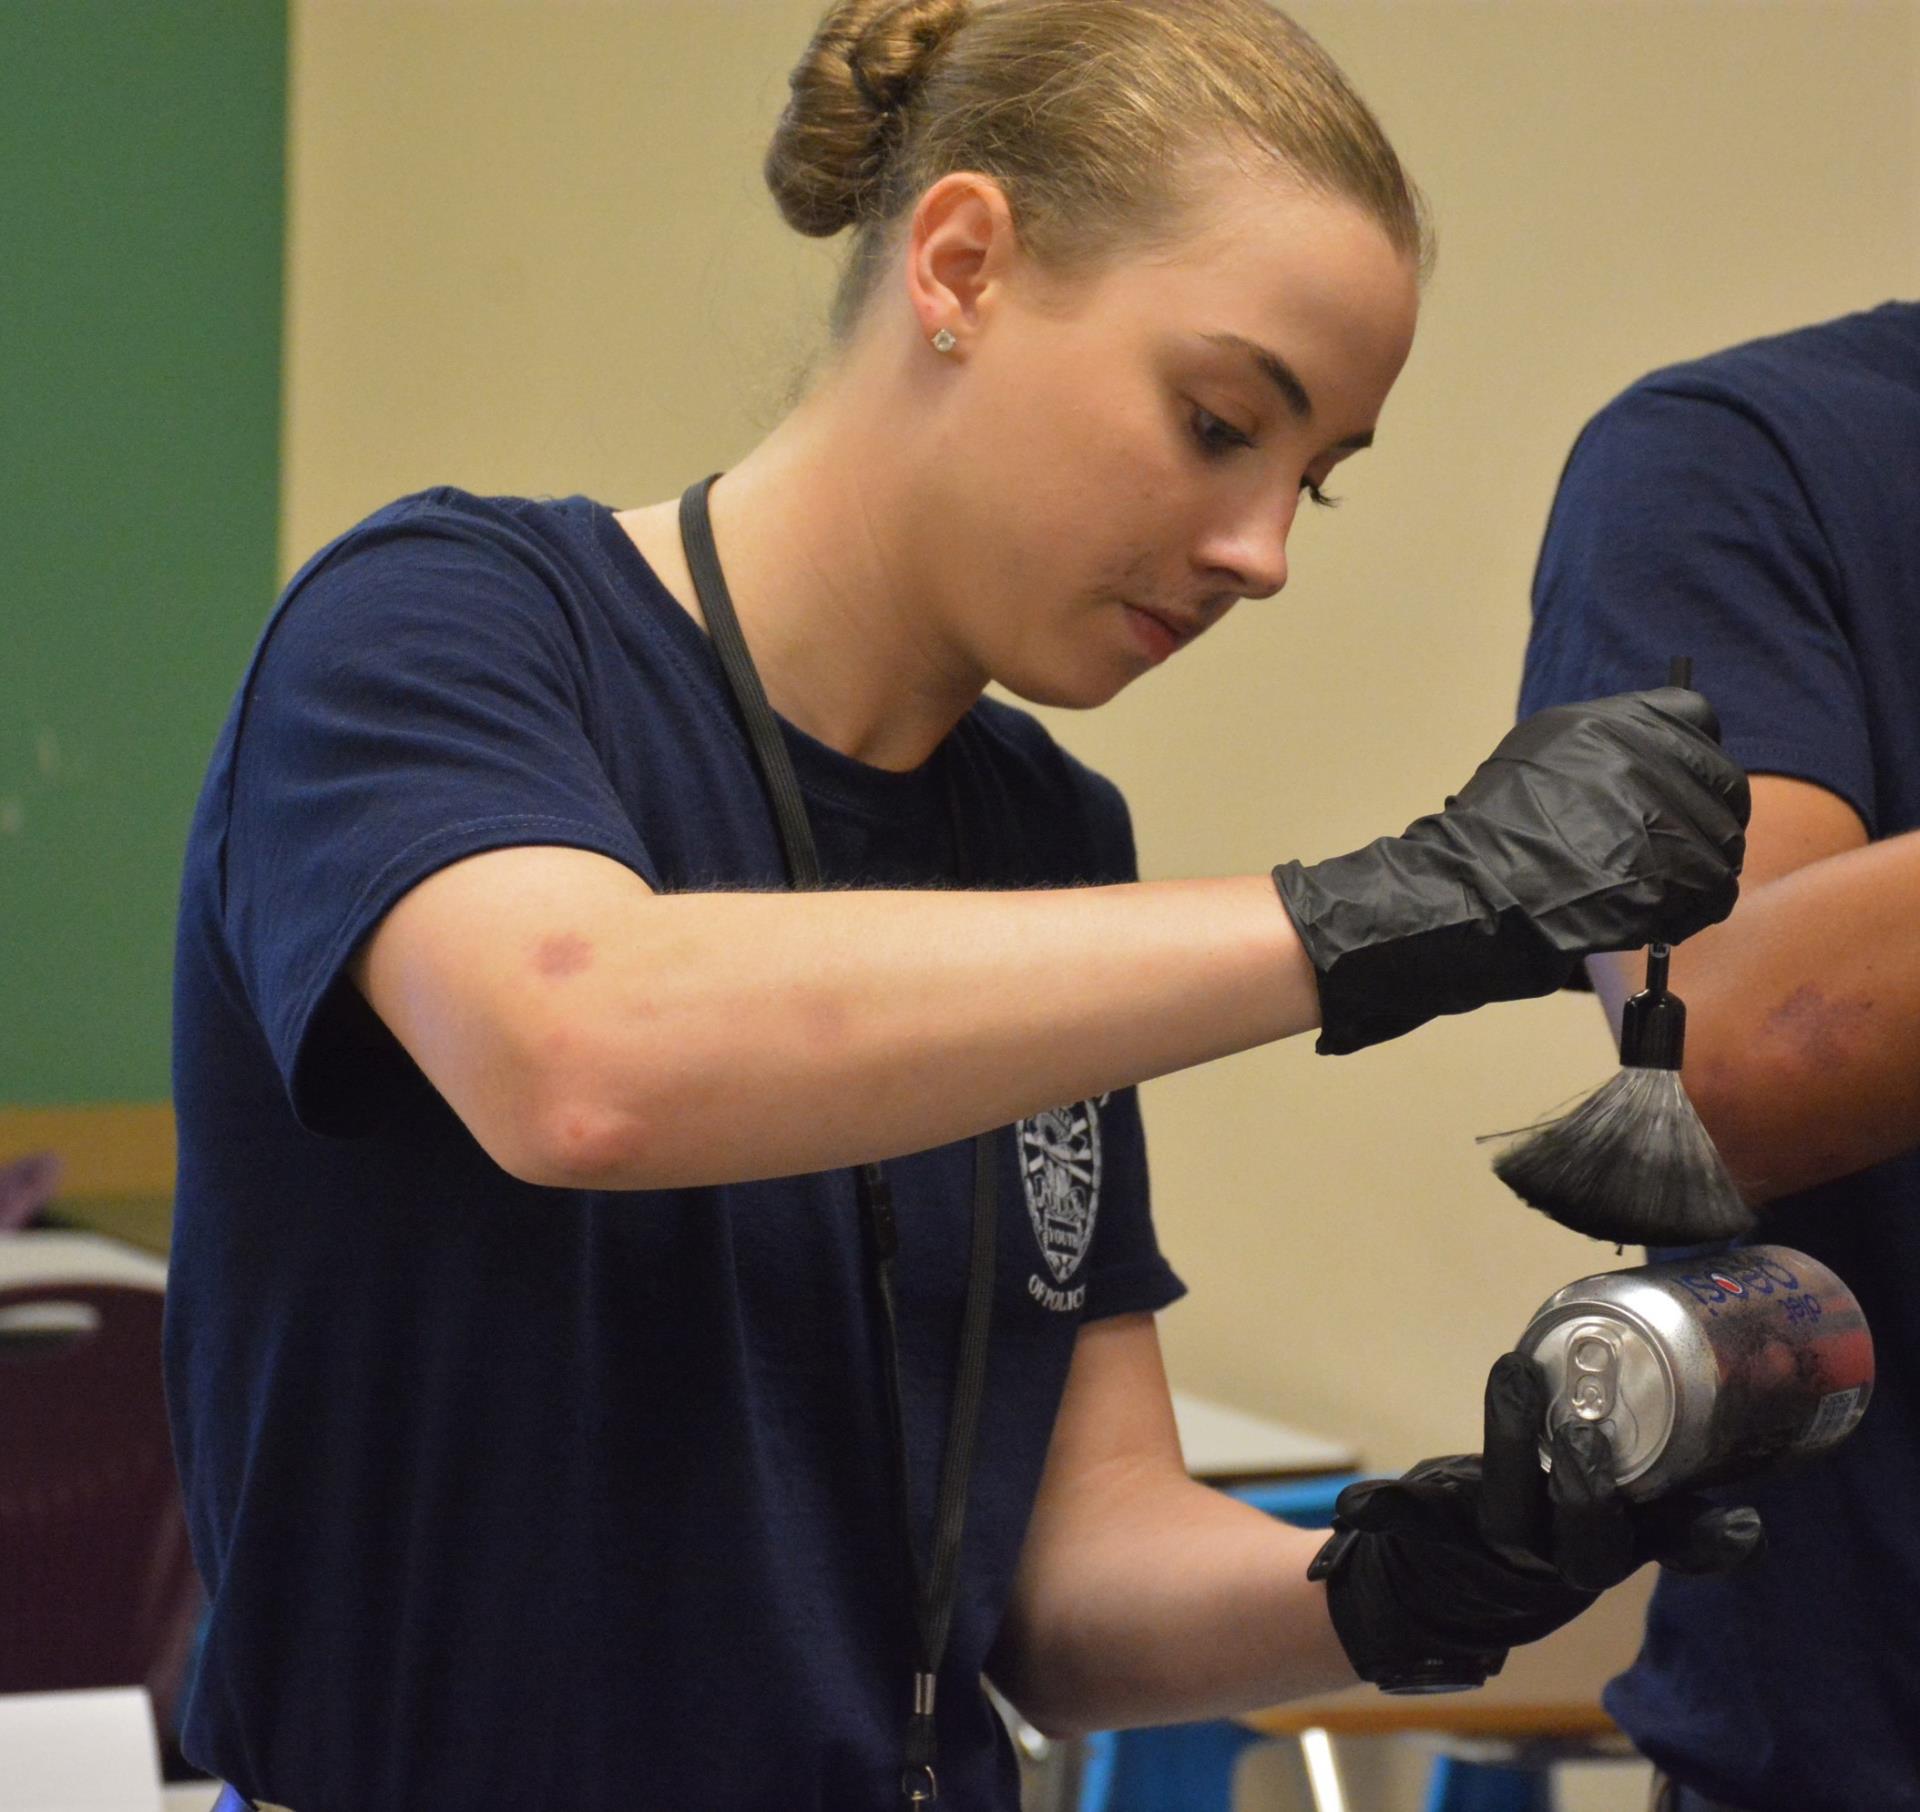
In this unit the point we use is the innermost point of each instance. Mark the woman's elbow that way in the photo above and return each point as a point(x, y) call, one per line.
point(1036, 1685)
point(558, 1126)
point(574, 1142)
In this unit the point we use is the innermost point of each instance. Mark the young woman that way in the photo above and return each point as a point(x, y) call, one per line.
point(645, 1331)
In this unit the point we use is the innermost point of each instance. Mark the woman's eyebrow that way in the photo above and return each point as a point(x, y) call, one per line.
point(1273, 368)
point(1286, 380)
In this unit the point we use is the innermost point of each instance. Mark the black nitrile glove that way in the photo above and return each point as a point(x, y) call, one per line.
point(1599, 826)
point(1431, 1578)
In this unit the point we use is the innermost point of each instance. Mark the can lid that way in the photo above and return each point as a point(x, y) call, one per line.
point(1603, 1369)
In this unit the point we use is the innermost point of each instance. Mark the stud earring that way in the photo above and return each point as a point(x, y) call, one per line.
point(943, 341)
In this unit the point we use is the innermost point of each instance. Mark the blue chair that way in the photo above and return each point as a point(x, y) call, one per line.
point(1458, 1785)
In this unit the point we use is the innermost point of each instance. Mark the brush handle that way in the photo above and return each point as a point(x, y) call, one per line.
point(1658, 956)
point(1653, 1028)
point(1653, 1024)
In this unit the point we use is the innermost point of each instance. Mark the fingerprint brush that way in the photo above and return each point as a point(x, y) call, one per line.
point(1633, 1163)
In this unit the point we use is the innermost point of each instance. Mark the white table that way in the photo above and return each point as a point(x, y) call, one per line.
point(45, 1255)
point(1228, 1446)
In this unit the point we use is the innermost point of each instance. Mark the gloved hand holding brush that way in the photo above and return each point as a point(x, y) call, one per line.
point(1591, 827)
point(1431, 1578)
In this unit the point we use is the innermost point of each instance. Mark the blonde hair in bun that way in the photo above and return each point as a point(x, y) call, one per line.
point(1088, 113)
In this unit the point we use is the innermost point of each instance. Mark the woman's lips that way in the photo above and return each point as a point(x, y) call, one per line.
point(1158, 637)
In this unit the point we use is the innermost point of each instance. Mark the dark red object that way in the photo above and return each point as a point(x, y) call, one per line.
point(97, 1586)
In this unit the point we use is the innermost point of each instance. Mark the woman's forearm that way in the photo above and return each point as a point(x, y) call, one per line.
point(1184, 1604)
point(593, 1034)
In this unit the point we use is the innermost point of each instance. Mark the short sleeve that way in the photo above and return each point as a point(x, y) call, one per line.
point(1108, 856)
point(1128, 1274)
point(1682, 528)
point(420, 698)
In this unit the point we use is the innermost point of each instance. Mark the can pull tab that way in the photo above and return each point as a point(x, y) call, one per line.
point(1607, 1377)
point(1593, 1373)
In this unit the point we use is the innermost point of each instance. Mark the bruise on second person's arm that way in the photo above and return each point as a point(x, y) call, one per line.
point(1769, 1035)
point(1820, 1030)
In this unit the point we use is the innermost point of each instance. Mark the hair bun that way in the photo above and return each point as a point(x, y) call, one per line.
point(890, 57)
point(849, 94)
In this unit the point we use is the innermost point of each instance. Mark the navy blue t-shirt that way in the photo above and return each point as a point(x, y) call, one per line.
point(509, 1496)
point(1759, 510)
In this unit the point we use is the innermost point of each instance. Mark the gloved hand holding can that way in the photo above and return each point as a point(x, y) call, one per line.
point(1431, 1578)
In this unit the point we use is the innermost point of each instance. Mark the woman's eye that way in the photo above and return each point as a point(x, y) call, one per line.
point(1215, 437)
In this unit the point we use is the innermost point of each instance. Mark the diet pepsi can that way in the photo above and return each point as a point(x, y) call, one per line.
point(1700, 1370)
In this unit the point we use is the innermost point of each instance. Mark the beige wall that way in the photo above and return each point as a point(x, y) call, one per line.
point(530, 251)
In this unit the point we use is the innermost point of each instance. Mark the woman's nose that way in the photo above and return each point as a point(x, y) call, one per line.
point(1252, 554)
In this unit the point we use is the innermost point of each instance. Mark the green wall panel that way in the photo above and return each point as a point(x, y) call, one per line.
point(141, 232)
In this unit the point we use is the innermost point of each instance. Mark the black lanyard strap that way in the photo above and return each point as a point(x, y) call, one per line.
point(931, 1590)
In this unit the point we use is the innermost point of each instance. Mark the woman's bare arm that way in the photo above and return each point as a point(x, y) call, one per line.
point(593, 1034)
point(1142, 1596)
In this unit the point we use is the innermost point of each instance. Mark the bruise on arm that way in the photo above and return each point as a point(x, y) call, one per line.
point(1803, 1008)
point(560, 955)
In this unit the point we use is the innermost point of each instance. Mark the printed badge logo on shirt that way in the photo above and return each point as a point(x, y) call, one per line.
point(1060, 1166)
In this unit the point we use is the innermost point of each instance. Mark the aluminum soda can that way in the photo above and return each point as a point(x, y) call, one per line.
point(1700, 1370)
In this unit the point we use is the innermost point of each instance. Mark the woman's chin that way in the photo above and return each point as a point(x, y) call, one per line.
point(1077, 691)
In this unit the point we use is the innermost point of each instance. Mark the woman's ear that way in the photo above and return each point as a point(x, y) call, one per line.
point(961, 247)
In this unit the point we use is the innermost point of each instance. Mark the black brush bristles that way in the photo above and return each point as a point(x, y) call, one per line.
point(1632, 1163)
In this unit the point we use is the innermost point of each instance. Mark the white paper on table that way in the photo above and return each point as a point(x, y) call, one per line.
point(1222, 1442)
point(79, 1752)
